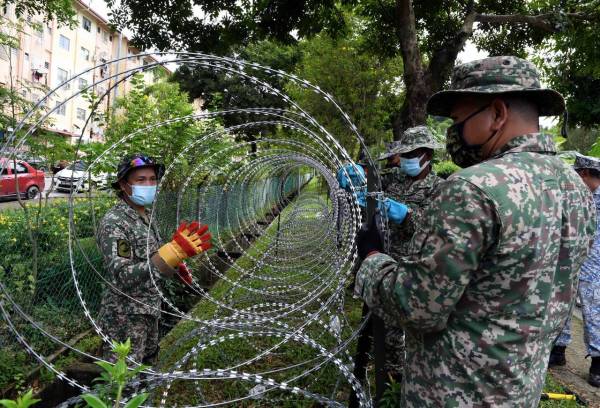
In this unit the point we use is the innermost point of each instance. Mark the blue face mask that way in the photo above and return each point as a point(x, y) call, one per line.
point(412, 167)
point(142, 195)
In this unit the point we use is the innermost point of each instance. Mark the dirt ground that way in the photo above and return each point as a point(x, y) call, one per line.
point(574, 374)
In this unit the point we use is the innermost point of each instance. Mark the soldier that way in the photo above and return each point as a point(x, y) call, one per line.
point(130, 245)
point(412, 183)
point(391, 157)
point(589, 284)
point(499, 252)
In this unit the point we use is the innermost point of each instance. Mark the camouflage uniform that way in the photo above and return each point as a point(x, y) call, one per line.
point(496, 268)
point(589, 280)
point(416, 195)
point(127, 242)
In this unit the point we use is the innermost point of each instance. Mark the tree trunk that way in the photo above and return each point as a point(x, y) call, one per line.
point(412, 112)
point(420, 83)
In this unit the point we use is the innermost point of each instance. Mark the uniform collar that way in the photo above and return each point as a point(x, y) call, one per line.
point(130, 212)
point(530, 142)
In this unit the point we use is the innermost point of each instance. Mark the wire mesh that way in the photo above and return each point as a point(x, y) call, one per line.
point(277, 326)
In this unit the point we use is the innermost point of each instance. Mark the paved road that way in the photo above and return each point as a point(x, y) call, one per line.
point(14, 203)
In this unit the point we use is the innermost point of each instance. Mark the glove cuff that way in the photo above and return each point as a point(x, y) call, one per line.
point(171, 254)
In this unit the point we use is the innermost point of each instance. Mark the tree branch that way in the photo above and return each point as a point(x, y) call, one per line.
point(444, 58)
point(546, 22)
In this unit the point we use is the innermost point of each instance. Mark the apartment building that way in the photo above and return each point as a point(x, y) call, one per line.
point(49, 55)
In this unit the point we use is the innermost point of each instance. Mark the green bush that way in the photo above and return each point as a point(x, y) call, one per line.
point(445, 168)
point(50, 230)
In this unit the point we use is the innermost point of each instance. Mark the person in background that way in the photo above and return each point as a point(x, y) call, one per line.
point(588, 169)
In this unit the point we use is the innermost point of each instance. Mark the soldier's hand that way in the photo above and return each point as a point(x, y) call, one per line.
point(367, 286)
point(351, 175)
point(395, 211)
point(188, 240)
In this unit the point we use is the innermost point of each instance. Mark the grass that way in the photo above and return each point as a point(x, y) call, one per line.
point(326, 381)
point(553, 386)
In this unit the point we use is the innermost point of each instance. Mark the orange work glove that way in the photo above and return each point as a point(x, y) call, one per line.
point(188, 240)
point(184, 273)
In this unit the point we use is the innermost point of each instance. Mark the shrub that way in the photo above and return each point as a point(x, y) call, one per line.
point(445, 168)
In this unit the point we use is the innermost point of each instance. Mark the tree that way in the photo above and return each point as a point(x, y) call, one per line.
point(364, 85)
point(428, 35)
point(150, 115)
point(62, 10)
point(221, 90)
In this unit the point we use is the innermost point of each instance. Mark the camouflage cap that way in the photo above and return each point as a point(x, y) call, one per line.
point(495, 76)
point(586, 162)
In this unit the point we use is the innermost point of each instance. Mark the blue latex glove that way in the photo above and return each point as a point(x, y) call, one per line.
point(361, 197)
point(354, 175)
point(396, 212)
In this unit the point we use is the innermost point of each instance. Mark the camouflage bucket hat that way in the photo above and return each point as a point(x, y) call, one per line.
point(497, 76)
point(390, 150)
point(412, 139)
point(586, 162)
point(415, 138)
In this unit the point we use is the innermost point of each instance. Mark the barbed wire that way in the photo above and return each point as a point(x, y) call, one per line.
point(273, 202)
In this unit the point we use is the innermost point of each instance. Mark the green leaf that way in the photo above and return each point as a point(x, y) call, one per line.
point(27, 400)
point(136, 401)
point(108, 367)
point(8, 403)
point(135, 371)
point(94, 401)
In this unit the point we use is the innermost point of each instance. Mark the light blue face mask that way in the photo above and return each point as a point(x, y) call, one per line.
point(412, 167)
point(142, 195)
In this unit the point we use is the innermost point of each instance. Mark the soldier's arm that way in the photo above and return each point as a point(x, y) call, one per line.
point(423, 290)
point(119, 258)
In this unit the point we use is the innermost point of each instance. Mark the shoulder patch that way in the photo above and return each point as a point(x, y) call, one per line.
point(123, 249)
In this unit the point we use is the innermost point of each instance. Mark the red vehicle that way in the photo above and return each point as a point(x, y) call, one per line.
point(31, 181)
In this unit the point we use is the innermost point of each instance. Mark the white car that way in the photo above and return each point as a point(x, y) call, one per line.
point(75, 178)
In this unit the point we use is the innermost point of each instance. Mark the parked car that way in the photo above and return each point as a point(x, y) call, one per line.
point(76, 178)
point(37, 162)
point(31, 181)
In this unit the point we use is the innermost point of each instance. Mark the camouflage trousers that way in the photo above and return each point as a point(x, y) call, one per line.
point(394, 348)
point(141, 329)
point(589, 295)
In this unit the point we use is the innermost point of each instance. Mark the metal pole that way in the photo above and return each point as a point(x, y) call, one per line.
point(374, 327)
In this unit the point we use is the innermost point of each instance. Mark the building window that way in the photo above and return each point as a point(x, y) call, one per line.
point(64, 43)
point(85, 53)
point(62, 110)
point(86, 24)
point(80, 114)
point(47, 65)
point(83, 83)
point(27, 56)
point(62, 76)
point(105, 36)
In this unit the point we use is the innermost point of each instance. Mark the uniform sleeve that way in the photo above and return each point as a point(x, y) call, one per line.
point(422, 291)
point(125, 270)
